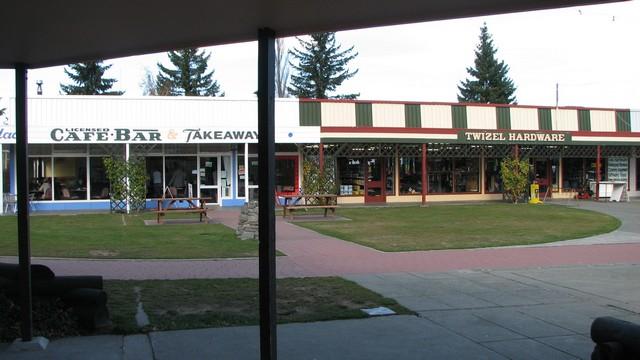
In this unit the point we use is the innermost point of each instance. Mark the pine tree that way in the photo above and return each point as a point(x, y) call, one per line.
point(89, 79)
point(321, 67)
point(190, 76)
point(490, 83)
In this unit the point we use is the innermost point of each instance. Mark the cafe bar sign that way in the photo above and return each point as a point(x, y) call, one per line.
point(156, 135)
point(515, 137)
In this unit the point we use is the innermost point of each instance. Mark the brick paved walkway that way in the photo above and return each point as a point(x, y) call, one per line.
point(311, 254)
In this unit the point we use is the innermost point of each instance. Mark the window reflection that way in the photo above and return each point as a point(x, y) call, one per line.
point(70, 178)
point(410, 175)
point(99, 182)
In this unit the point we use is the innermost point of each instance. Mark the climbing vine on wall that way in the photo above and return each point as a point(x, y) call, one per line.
point(316, 181)
point(127, 183)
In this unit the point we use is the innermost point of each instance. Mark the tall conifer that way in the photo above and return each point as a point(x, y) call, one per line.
point(320, 67)
point(189, 76)
point(88, 79)
point(489, 82)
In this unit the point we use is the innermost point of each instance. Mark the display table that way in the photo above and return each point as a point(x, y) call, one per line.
point(612, 190)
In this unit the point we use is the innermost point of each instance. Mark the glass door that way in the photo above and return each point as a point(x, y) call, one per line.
point(209, 173)
point(375, 184)
point(226, 176)
point(545, 176)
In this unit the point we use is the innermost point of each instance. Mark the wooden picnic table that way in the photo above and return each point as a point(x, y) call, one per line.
point(290, 203)
point(193, 205)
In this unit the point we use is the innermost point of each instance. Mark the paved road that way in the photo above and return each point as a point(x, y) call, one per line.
point(312, 254)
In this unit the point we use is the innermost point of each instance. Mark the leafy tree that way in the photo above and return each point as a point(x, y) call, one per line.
point(320, 67)
point(282, 69)
point(148, 83)
point(88, 79)
point(489, 82)
point(189, 76)
point(515, 178)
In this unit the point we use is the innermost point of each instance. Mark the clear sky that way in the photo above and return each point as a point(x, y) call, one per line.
point(590, 51)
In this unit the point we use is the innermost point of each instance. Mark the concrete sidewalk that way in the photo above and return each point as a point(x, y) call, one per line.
point(505, 314)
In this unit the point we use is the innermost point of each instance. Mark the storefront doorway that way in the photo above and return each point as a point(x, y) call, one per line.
point(545, 172)
point(375, 182)
point(214, 178)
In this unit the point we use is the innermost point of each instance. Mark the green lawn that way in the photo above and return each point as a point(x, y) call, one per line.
point(190, 304)
point(124, 236)
point(462, 226)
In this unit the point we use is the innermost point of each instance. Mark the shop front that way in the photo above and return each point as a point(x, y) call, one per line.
point(190, 148)
point(376, 152)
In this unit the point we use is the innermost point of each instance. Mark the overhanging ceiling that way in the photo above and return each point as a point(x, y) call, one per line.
point(44, 33)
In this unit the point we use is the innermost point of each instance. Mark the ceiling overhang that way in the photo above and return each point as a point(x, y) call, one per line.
point(45, 33)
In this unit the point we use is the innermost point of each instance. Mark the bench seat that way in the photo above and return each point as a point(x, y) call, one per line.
point(291, 208)
point(160, 213)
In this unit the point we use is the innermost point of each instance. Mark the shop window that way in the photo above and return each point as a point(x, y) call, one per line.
point(215, 148)
point(351, 176)
point(99, 183)
point(591, 169)
point(155, 185)
point(252, 172)
point(389, 178)
point(453, 175)
point(545, 172)
point(286, 174)
point(106, 149)
point(40, 149)
point(440, 176)
point(578, 172)
point(70, 178)
point(180, 172)
point(466, 177)
point(69, 148)
point(41, 184)
point(226, 176)
point(180, 148)
point(410, 175)
point(241, 177)
point(493, 179)
point(555, 170)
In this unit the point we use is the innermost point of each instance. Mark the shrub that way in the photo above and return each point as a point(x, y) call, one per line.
point(515, 177)
point(51, 319)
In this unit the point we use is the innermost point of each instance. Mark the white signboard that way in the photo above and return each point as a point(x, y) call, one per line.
point(618, 169)
point(7, 135)
point(80, 135)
